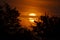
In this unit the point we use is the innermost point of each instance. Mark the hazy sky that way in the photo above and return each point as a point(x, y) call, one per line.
point(37, 6)
point(40, 6)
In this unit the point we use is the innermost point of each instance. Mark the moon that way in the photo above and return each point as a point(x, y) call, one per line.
point(32, 14)
point(32, 19)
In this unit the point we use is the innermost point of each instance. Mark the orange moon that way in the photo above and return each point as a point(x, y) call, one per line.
point(32, 14)
point(32, 19)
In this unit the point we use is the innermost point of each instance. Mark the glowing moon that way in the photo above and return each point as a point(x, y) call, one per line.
point(32, 19)
point(32, 14)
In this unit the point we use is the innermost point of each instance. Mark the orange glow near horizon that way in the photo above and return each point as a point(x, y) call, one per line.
point(28, 21)
point(31, 19)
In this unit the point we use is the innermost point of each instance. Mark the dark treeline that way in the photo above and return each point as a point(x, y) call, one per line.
point(10, 29)
point(49, 29)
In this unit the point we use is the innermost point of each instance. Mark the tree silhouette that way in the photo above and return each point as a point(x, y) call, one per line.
point(1, 19)
point(12, 22)
point(40, 31)
point(9, 25)
point(9, 22)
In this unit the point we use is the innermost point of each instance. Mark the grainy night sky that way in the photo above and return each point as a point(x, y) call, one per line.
point(51, 6)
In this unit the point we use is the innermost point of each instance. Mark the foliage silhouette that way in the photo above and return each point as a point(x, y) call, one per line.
point(9, 21)
point(9, 26)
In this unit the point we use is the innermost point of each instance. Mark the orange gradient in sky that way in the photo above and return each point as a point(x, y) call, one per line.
point(33, 8)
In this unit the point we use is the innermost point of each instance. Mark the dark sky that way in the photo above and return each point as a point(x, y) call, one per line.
point(51, 6)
